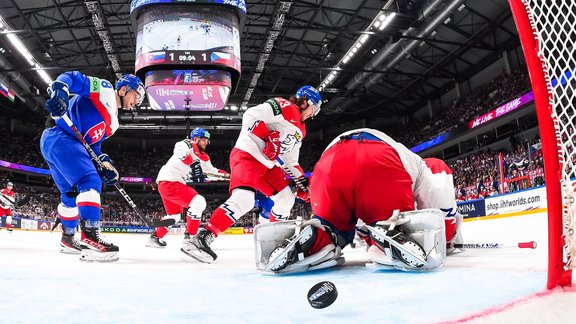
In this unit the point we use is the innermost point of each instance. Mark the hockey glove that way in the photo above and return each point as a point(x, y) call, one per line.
point(272, 148)
point(58, 102)
point(107, 172)
point(196, 174)
point(302, 194)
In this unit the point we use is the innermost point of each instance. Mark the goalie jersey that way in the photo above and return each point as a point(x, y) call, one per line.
point(432, 181)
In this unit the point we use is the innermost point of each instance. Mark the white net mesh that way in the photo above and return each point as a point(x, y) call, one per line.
point(554, 23)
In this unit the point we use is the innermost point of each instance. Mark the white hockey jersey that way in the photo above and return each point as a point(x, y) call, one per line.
point(279, 115)
point(7, 198)
point(177, 168)
point(431, 190)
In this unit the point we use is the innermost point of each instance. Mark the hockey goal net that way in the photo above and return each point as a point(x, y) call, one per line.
point(547, 30)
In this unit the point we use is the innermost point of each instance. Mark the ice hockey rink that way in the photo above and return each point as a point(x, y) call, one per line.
point(39, 284)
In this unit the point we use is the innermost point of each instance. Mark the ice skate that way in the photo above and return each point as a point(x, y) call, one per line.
point(95, 248)
point(155, 242)
point(288, 252)
point(402, 247)
point(70, 245)
point(198, 246)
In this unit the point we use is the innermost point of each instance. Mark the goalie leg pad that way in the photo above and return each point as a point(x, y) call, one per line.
point(304, 251)
point(425, 227)
point(267, 236)
point(399, 245)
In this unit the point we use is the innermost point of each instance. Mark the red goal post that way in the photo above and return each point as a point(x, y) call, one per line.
point(547, 30)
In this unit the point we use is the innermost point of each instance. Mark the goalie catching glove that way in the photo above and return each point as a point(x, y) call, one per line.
point(284, 247)
point(107, 172)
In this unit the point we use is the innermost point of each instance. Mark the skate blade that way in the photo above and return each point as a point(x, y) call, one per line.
point(96, 256)
point(155, 246)
point(198, 255)
point(68, 250)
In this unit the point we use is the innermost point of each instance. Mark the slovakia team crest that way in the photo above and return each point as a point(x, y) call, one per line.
point(95, 133)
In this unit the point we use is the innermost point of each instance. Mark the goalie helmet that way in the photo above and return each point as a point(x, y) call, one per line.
point(199, 132)
point(313, 96)
point(10, 184)
point(132, 82)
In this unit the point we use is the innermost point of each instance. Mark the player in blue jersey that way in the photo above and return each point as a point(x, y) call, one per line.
point(94, 111)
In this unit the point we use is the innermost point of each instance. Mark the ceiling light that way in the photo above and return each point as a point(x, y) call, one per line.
point(462, 6)
point(387, 21)
point(21, 48)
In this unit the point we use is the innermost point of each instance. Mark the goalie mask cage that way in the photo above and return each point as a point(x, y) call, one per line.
point(547, 30)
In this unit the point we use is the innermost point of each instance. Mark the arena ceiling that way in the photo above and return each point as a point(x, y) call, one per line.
point(426, 48)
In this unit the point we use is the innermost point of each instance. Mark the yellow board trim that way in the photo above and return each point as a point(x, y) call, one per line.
point(513, 214)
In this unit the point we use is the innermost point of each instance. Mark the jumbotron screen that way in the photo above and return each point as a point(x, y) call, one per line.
point(173, 35)
point(199, 90)
point(240, 4)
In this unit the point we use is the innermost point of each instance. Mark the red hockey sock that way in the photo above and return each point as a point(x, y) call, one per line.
point(220, 221)
point(8, 225)
point(272, 217)
point(161, 231)
point(192, 225)
point(450, 229)
point(322, 239)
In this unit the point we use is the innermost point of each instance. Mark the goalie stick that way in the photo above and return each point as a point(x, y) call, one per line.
point(493, 246)
point(95, 159)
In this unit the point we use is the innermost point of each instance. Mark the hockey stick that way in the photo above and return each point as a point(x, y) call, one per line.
point(23, 201)
point(290, 171)
point(16, 203)
point(492, 246)
point(95, 159)
point(217, 176)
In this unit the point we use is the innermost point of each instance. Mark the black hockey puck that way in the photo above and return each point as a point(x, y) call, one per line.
point(322, 295)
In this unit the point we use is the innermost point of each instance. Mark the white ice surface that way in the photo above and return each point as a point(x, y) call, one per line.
point(40, 285)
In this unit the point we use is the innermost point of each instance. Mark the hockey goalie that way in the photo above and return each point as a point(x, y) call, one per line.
point(365, 183)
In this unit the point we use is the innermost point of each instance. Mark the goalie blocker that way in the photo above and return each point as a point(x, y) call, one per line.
point(412, 240)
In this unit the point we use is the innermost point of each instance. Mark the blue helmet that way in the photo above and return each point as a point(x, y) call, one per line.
point(199, 132)
point(132, 82)
point(313, 95)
